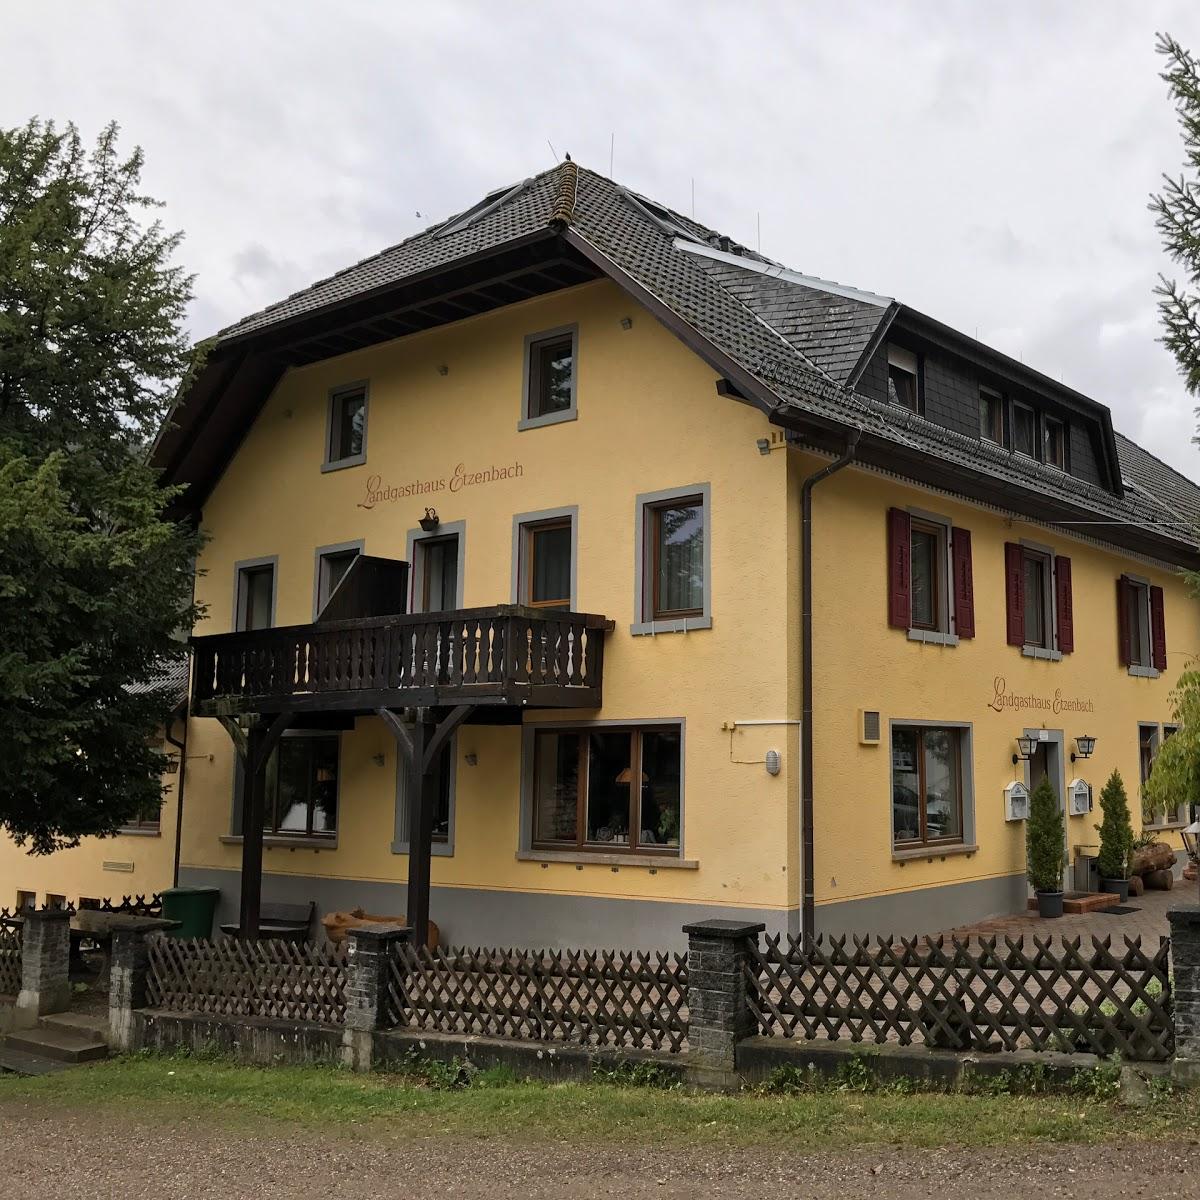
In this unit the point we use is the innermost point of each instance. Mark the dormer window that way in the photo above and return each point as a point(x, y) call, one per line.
point(991, 416)
point(904, 378)
point(1055, 441)
point(1024, 430)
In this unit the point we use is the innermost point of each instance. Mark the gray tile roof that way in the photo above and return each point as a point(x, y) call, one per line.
point(800, 340)
point(171, 680)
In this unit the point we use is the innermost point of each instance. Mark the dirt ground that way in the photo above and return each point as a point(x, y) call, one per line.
point(52, 1153)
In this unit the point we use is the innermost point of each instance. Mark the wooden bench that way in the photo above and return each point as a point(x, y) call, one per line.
point(289, 922)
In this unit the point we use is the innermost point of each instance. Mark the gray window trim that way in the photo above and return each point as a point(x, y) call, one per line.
point(319, 554)
point(642, 624)
point(946, 635)
point(525, 847)
point(968, 844)
point(246, 564)
point(1050, 652)
point(401, 830)
point(283, 839)
point(351, 460)
point(568, 414)
point(520, 577)
point(416, 559)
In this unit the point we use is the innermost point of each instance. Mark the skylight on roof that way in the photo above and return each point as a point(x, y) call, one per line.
point(664, 218)
point(488, 204)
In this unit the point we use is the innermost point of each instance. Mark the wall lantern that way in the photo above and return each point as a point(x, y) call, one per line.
point(172, 765)
point(1084, 745)
point(1026, 747)
point(430, 521)
point(772, 762)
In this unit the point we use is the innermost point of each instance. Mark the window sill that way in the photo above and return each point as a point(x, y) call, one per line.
point(569, 414)
point(931, 852)
point(437, 849)
point(584, 858)
point(1144, 672)
point(1040, 652)
point(683, 625)
point(355, 460)
point(285, 843)
point(933, 637)
point(139, 833)
point(1169, 827)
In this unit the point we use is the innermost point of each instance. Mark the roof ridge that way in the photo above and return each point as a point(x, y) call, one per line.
point(563, 212)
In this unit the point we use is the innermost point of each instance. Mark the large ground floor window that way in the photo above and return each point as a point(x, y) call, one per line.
point(302, 786)
point(608, 788)
point(927, 785)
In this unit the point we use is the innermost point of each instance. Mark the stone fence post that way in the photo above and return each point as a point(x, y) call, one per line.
point(45, 953)
point(1185, 992)
point(128, 974)
point(718, 1013)
point(368, 954)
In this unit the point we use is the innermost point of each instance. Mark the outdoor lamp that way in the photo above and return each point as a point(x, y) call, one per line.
point(1084, 745)
point(1026, 746)
point(171, 766)
point(430, 521)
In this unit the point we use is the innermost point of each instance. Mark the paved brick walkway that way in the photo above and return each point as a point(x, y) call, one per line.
point(1150, 921)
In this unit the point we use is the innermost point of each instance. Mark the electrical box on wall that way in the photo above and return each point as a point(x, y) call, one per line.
point(1079, 797)
point(868, 727)
point(1016, 802)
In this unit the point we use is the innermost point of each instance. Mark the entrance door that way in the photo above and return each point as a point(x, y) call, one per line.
point(1047, 763)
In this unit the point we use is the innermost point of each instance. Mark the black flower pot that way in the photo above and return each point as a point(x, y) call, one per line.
point(1117, 887)
point(1050, 904)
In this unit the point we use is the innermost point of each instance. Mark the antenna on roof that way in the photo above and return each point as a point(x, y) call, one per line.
point(693, 197)
point(552, 149)
point(758, 227)
point(612, 142)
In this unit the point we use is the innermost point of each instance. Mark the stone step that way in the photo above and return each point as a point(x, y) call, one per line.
point(90, 1025)
point(65, 1045)
point(18, 1062)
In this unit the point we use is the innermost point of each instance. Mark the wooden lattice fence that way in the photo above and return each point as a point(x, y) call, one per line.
point(994, 993)
point(601, 998)
point(10, 961)
point(232, 977)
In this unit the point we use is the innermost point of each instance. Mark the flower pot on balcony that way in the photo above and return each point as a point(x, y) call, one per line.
point(1118, 887)
point(1050, 904)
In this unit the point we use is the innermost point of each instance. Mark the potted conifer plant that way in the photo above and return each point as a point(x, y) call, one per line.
point(1045, 850)
point(1116, 838)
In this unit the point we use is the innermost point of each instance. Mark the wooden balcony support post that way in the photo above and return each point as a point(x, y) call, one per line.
point(260, 741)
point(419, 745)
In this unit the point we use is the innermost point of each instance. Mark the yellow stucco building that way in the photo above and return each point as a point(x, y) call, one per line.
point(569, 400)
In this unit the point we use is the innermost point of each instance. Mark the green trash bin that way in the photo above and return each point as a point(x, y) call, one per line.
point(193, 907)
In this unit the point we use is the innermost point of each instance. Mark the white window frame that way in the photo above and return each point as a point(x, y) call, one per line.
point(908, 361)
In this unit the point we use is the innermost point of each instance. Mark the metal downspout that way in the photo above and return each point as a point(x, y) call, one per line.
point(182, 747)
point(808, 904)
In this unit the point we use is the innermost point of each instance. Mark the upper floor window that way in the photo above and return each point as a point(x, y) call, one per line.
point(1141, 628)
point(991, 416)
point(904, 378)
point(544, 558)
point(674, 549)
point(1038, 599)
point(609, 789)
point(549, 388)
point(1055, 442)
point(1025, 430)
point(346, 434)
point(931, 590)
point(254, 603)
point(332, 564)
point(927, 785)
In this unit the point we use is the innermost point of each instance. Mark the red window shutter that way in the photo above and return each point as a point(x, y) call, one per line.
point(1158, 631)
point(1124, 651)
point(1062, 604)
point(964, 583)
point(1014, 593)
point(899, 569)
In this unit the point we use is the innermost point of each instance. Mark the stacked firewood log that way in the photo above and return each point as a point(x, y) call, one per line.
point(1153, 867)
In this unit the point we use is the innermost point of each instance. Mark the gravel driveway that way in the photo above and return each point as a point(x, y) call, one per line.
point(53, 1152)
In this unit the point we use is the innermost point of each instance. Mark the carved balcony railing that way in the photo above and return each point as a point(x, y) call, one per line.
point(504, 655)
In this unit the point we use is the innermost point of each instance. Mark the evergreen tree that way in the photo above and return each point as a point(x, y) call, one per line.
point(1116, 832)
point(1045, 853)
point(95, 578)
point(1177, 215)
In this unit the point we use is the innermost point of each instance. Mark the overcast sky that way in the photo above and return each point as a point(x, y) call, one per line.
point(987, 163)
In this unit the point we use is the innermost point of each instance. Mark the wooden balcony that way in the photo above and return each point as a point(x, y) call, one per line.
point(504, 656)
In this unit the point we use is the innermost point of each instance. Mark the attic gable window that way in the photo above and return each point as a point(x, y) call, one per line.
point(550, 368)
point(904, 378)
point(346, 427)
